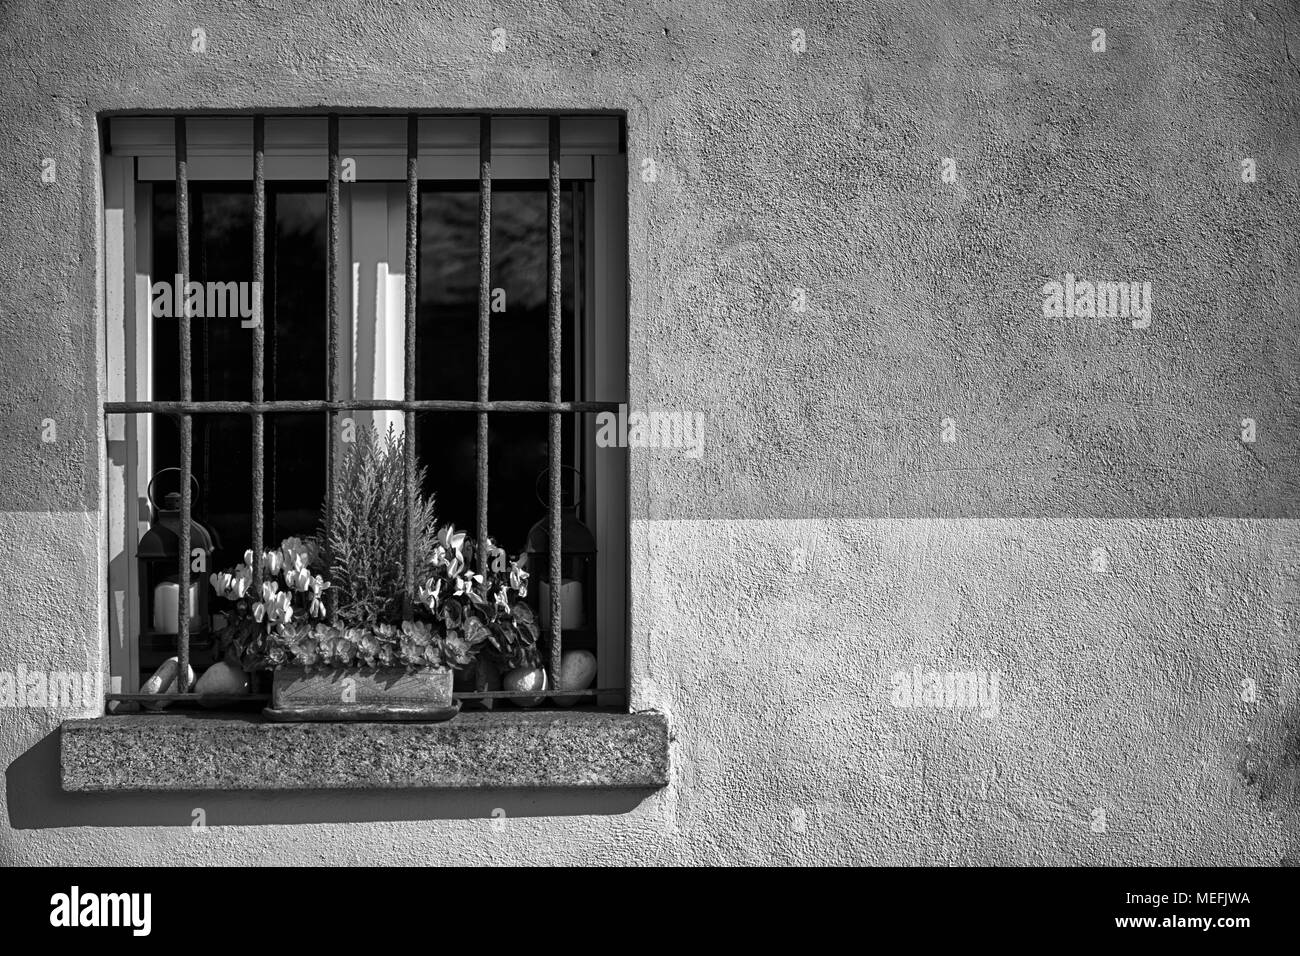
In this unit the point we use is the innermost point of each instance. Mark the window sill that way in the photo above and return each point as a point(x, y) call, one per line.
point(481, 749)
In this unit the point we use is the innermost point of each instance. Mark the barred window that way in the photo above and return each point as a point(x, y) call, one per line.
point(277, 283)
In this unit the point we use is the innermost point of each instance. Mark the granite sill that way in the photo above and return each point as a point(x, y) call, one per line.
point(481, 749)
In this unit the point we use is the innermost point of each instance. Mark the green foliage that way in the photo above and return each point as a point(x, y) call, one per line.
point(365, 551)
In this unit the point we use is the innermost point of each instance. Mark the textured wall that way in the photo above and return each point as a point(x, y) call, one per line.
point(827, 538)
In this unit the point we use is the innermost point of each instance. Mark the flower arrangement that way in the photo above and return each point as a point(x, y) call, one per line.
point(479, 611)
point(292, 589)
point(467, 604)
point(458, 614)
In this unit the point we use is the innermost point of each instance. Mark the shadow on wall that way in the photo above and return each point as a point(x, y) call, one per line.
point(37, 801)
point(1268, 767)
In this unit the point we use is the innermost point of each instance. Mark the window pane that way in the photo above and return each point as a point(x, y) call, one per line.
point(221, 243)
point(447, 361)
point(297, 358)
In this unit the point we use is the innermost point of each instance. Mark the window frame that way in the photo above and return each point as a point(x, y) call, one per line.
point(138, 149)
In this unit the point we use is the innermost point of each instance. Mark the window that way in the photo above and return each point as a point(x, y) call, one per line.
point(269, 222)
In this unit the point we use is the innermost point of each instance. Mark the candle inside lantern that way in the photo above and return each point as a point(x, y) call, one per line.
point(571, 607)
point(166, 607)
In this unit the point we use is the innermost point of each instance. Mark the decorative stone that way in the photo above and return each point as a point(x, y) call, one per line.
point(221, 679)
point(163, 681)
point(577, 671)
point(524, 679)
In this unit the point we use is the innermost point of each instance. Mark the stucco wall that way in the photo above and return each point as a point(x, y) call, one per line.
point(827, 538)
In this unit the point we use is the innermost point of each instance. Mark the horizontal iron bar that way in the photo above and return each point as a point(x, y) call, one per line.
point(506, 694)
point(207, 698)
point(478, 695)
point(299, 406)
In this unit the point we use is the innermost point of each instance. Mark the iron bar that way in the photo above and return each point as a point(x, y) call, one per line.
point(484, 315)
point(332, 269)
point(259, 345)
point(408, 369)
point(186, 423)
point(554, 445)
point(191, 696)
point(508, 694)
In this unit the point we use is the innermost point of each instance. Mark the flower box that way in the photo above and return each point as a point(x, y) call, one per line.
point(362, 693)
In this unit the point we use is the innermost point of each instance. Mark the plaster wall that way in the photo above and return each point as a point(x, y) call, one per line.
point(827, 538)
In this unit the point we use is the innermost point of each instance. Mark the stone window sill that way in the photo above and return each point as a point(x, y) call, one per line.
point(480, 749)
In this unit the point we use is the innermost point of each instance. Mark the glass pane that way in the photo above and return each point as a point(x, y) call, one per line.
point(446, 346)
point(221, 243)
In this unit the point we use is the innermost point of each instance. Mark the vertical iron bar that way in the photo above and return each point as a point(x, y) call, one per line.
point(554, 445)
point(332, 310)
point(186, 423)
point(273, 359)
point(484, 307)
point(259, 345)
point(408, 371)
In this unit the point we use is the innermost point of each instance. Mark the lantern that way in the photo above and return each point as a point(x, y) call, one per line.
point(577, 573)
point(158, 555)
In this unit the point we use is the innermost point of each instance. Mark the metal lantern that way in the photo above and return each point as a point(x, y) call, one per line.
point(158, 555)
point(577, 573)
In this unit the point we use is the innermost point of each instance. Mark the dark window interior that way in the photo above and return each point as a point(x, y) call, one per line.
point(221, 239)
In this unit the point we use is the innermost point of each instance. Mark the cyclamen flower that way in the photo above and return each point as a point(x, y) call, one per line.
point(221, 582)
point(298, 578)
point(451, 539)
point(295, 553)
point(232, 585)
point(466, 583)
point(448, 553)
point(281, 609)
point(275, 608)
point(518, 579)
point(429, 593)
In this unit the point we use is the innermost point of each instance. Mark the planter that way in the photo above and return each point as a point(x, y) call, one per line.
point(362, 693)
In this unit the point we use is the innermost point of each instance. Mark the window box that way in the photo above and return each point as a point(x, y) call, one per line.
point(361, 693)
